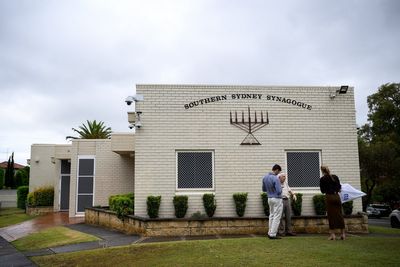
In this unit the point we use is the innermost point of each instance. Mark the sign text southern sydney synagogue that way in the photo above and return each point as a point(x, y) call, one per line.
point(218, 98)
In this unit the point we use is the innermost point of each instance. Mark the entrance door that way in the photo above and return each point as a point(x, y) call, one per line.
point(85, 183)
point(64, 182)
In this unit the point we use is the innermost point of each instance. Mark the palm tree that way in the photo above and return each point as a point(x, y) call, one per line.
point(92, 130)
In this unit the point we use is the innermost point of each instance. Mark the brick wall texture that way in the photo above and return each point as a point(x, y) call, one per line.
point(114, 173)
point(318, 124)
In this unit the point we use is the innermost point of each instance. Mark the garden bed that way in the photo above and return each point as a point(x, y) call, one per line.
point(213, 226)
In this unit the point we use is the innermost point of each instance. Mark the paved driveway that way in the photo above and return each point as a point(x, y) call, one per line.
point(383, 222)
point(17, 231)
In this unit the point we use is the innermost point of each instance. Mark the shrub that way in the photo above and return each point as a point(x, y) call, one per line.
point(22, 194)
point(122, 205)
point(348, 207)
point(319, 204)
point(42, 196)
point(111, 201)
point(264, 198)
point(210, 204)
point(25, 178)
point(181, 206)
point(153, 206)
point(240, 203)
point(198, 215)
point(1, 178)
point(31, 199)
point(22, 177)
point(296, 205)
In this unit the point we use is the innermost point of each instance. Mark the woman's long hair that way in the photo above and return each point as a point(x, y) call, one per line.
point(325, 170)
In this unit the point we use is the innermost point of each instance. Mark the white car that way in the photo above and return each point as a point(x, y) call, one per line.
point(395, 218)
point(372, 212)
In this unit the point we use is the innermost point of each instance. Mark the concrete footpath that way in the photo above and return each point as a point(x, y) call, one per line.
point(10, 256)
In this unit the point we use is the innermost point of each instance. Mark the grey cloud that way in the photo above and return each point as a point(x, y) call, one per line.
point(76, 60)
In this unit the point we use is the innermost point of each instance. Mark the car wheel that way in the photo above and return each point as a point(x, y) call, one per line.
point(394, 222)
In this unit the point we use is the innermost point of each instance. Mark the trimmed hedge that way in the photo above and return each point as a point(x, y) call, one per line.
point(112, 201)
point(30, 199)
point(348, 207)
point(319, 204)
point(153, 206)
point(22, 194)
point(180, 205)
point(22, 177)
point(240, 203)
point(122, 205)
point(42, 196)
point(210, 204)
point(264, 198)
point(296, 205)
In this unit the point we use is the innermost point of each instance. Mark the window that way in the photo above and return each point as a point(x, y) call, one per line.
point(195, 170)
point(65, 177)
point(85, 183)
point(303, 168)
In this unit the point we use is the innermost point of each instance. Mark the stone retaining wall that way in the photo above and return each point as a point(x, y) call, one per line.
point(39, 210)
point(214, 226)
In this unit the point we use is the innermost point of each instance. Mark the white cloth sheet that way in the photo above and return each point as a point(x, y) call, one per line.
point(349, 193)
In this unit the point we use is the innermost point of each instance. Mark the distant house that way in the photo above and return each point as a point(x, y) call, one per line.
point(196, 139)
point(17, 166)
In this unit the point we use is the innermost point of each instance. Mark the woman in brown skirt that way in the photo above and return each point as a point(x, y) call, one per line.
point(330, 186)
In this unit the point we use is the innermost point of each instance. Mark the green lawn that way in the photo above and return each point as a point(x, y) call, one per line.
point(52, 237)
point(10, 216)
point(383, 230)
point(260, 251)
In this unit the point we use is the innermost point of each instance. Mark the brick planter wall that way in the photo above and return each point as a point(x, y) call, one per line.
point(213, 226)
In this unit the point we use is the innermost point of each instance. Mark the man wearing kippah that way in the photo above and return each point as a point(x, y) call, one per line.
point(272, 186)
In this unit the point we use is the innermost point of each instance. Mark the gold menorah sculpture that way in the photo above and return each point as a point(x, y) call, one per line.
point(250, 126)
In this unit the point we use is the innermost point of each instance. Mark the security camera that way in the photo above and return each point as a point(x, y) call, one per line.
point(138, 124)
point(129, 100)
point(131, 126)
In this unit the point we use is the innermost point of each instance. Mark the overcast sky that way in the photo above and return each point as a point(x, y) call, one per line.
point(63, 62)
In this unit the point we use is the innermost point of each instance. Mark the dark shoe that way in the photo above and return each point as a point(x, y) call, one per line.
point(290, 234)
point(274, 237)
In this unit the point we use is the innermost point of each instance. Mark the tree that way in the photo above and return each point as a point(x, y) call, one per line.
point(379, 145)
point(22, 177)
point(92, 130)
point(384, 113)
point(9, 179)
point(1, 178)
point(378, 163)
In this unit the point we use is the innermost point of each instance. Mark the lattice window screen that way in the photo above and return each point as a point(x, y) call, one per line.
point(303, 169)
point(195, 170)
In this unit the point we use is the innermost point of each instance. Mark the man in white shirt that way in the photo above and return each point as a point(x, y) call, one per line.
point(285, 226)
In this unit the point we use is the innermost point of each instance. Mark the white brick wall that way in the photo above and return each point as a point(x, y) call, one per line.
point(42, 170)
point(328, 127)
point(114, 174)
